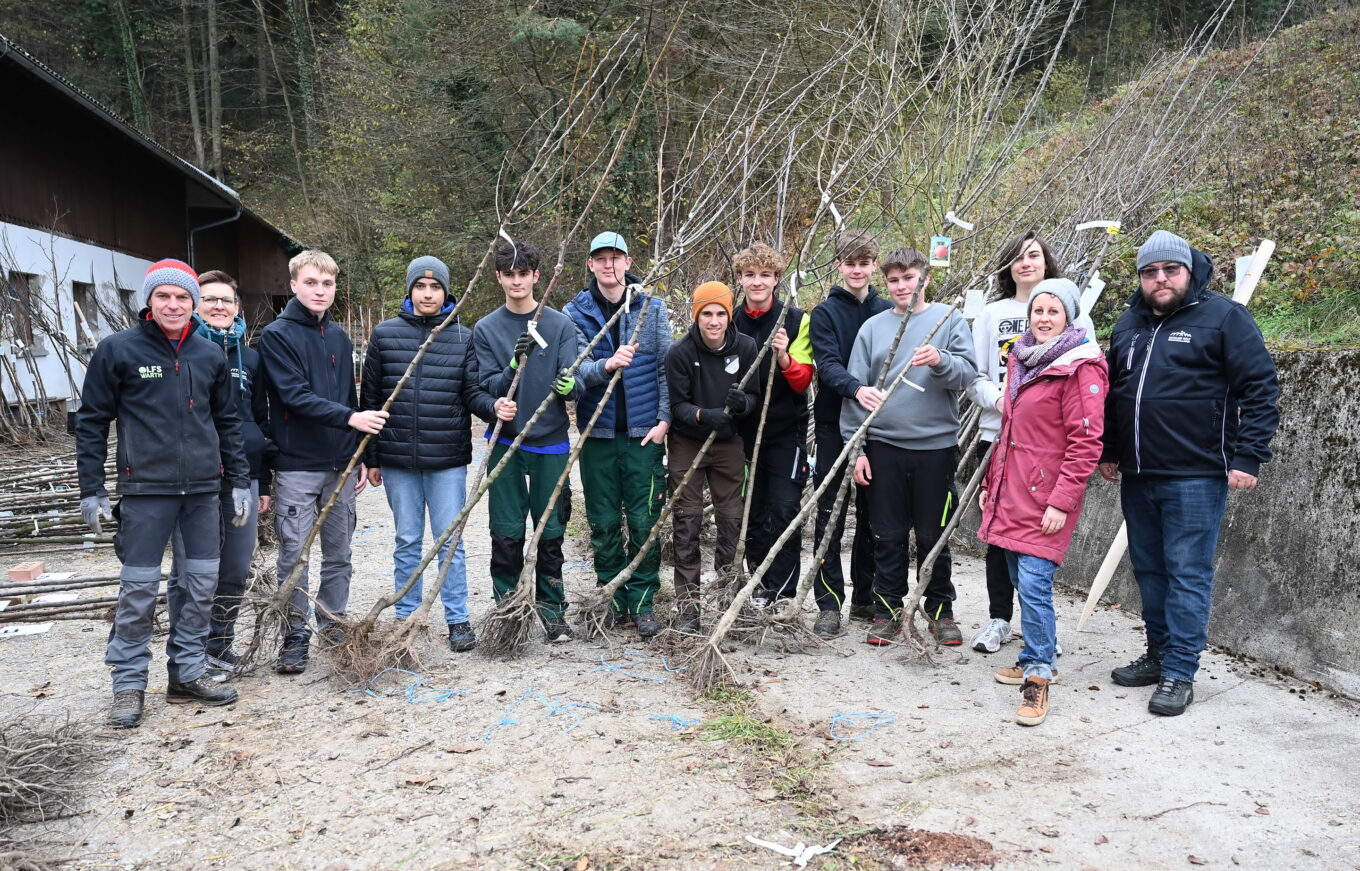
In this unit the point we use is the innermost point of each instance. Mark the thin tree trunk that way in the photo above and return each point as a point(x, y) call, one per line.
point(191, 85)
point(287, 104)
point(214, 83)
point(131, 69)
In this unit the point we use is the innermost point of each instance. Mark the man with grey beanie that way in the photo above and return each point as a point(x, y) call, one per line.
point(1189, 416)
point(422, 454)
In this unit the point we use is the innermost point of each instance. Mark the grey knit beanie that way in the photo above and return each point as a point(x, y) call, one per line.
point(173, 272)
point(1164, 245)
point(1066, 292)
point(427, 267)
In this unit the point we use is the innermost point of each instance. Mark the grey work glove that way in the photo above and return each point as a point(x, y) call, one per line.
point(94, 507)
point(240, 500)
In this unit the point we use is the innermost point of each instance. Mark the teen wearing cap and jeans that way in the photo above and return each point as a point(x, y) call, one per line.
point(623, 472)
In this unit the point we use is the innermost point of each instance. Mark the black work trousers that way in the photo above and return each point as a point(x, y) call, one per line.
point(777, 492)
point(910, 491)
point(830, 586)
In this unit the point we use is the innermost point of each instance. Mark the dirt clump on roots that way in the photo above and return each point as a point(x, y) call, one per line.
point(901, 847)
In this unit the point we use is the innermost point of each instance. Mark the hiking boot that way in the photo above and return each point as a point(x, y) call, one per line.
point(991, 636)
point(555, 629)
point(201, 690)
point(1172, 697)
point(883, 631)
point(1144, 671)
point(688, 621)
point(332, 635)
point(613, 618)
point(293, 655)
point(862, 613)
point(946, 631)
point(461, 637)
point(1015, 675)
point(647, 624)
point(222, 666)
point(760, 603)
point(126, 712)
point(1033, 702)
point(828, 624)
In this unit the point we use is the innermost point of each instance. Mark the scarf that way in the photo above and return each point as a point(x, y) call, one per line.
point(1032, 358)
point(229, 340)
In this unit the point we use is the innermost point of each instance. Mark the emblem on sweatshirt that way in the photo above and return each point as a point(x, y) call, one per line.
point(731, 364)
point(1179, 336)
point(149, 371)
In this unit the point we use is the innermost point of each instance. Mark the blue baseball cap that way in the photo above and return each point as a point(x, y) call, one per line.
point(608, 239)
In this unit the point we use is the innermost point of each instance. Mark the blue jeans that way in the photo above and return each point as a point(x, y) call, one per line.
point(412, 495)
point(1033, 580)
point(1173, 532)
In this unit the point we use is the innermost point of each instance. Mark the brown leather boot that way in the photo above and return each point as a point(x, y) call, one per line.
point(1033, 702)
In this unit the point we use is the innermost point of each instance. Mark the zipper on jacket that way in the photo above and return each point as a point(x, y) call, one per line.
point(1138, 396)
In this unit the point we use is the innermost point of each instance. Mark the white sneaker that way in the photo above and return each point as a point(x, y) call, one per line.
point(991, 636)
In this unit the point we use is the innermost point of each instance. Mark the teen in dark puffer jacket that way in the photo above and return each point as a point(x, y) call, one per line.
point(421, 455)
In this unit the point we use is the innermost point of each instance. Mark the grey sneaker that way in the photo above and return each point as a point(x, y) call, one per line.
point(828, 624)
point(126, 712)
point(461, 637)
point(991, 636)
point(1172, 697)
point(884, 632)
point(1144, 671)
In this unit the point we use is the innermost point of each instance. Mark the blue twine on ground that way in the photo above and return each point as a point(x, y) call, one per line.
point(677, 723)
point(553, 705)
point(877, 719)
point(637, 659)
point(418, 690)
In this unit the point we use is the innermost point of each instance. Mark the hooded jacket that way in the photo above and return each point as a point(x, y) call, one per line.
point(430, 422)
point(1045, 453)
point(642, 390)
point(178, 414)
point(243, 362)
point(788, 414)
point(835, 323)
point(309, 371)
point(700, 376)
point(1194, 393)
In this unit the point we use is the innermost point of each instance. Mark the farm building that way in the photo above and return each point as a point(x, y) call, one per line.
point(87, 203)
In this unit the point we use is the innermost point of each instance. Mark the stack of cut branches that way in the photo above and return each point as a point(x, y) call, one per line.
point(40, 500)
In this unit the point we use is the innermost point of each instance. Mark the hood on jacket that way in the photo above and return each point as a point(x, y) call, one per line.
point(407, 308)
point(1201, 273)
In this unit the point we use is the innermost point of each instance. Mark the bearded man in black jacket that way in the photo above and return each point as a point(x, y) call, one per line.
point(1190, 415)
point(422, 454)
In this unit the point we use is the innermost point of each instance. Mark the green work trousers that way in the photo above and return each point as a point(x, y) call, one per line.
point(522, 491)
point(625, 487)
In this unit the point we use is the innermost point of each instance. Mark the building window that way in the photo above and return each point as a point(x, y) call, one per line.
point(87, 312)
point(130, 307)
point(25, 293)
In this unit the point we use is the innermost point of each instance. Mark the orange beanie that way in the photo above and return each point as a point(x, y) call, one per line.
point(708, 293)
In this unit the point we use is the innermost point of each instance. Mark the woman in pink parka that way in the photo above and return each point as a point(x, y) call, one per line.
point(1052, 417)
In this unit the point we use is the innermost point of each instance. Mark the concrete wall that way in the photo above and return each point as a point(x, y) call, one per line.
point(1286, 589)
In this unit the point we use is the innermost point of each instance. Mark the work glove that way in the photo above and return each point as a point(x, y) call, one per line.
point(94, 507)
point(717, 420)
point(240, 501)
point(736, 400)
point(565, 383)
point(523, 345)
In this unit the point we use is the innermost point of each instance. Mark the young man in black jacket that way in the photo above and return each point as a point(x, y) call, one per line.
point(777, 482)
point(422, 454)
point(835, 323)
point(1190, 415)
point(314, 417)
point(179, 435)
point(702, 372)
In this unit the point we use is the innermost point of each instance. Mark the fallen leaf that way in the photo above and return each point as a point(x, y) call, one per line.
point(242, 755)
point(969, 821)
point(1101, 839)
point(1048, 833)
point(1087, 720)
point(923, 706)
point(583, 863)
point(1195, 860)
point(420, 780)
point(463, 748)
point(878, 763)
point(1263, 811)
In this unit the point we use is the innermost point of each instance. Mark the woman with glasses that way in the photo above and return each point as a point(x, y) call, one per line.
point(219, 320)
point(1052, 414)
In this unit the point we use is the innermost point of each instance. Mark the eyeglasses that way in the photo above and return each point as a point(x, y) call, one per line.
point(1170, 270)
point(224, 301)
